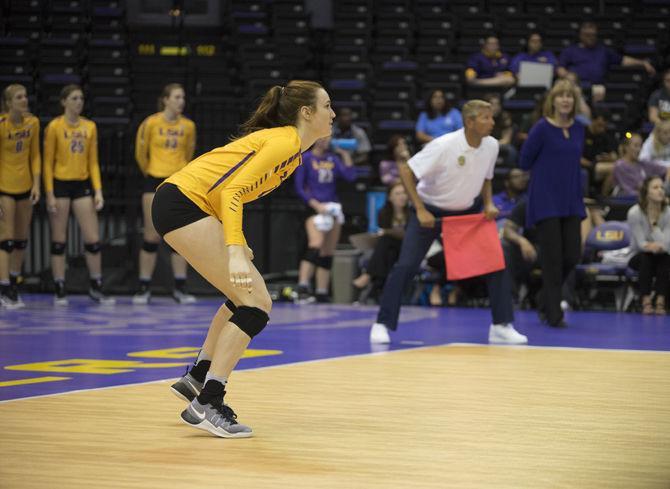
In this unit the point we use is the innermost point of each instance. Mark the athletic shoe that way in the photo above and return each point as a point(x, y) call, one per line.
point(97, 296)
point(216, 417)
point(183, 297)
point(60, 297)
point(142, 297)
point(14, 295)
point(186, 388)
point(379, 334)
point(8, 302)
point(506, 334)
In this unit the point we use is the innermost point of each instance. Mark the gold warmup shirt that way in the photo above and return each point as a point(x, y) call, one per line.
point(163, 147)
point(71, 152)
point(20, 160)
point(221, 181)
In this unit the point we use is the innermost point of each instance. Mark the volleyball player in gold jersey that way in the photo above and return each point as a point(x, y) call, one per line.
point(165, 143)
point(71, 168)
point(198, 211)
point(20, 168)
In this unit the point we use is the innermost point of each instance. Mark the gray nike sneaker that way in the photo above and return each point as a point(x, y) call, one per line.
point(216, 417)
point(186, 388)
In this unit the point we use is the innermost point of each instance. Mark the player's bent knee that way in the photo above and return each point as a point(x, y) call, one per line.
point(57, 248)
point(7, 245)
point(325, 262)
point(251, 320)
point(92, 248)
point(20, 244)
point(149, 247)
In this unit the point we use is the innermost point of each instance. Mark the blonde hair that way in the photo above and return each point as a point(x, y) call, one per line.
point(8, 94)
point(167, 91)
point(472, 108)
point(664, 124)
point(560, 87)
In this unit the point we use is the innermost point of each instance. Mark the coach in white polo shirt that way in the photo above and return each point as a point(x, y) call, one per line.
point(454, 174)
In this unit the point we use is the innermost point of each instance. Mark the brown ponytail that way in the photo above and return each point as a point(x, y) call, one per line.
point(280, 106)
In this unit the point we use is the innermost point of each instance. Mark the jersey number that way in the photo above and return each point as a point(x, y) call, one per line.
point(171, 143)
point(19, 145)
point(77, 146)
point(325, 175)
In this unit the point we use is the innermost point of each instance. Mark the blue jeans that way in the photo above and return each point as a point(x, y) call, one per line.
point(415, 245)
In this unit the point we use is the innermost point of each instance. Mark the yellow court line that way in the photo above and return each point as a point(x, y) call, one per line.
point(34, 380)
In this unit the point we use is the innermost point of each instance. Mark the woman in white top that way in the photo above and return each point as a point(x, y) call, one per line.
point(657, 146)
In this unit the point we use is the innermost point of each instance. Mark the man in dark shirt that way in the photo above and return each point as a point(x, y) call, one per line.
point(600, 151)
point(520, 248)
point(659, 101)
point(590, 60)
point(489, 67)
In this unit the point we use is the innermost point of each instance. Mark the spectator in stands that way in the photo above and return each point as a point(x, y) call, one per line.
point(503, 131)
point(657, 146)
point(438, 118)
point(388, 168)
point(590, 59)
point(520, 247)
point(649, 221)
point(392, 220)
point(659, 101)
point(454, 173)
point(516, 181)
point(164, 144)
point(534, 53)
point(20, 169)
point(70, 170)
point(552, 153)
point(344, 128)
point(529, 119)
point(316, 186)
point(490, 67)
point(630, 172)
point(600, 150)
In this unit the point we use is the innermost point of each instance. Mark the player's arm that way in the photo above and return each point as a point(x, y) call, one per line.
point(142, 141)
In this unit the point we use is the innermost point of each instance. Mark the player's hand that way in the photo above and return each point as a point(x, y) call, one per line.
point(51, 203)
point(239, 267)
point(35, 194)
point(98, 200)
point(491, 212)
point(426, 219)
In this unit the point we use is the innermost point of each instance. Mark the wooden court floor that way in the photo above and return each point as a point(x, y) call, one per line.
point(456, 416)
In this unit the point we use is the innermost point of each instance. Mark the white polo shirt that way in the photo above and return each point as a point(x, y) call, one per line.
point(451, 172)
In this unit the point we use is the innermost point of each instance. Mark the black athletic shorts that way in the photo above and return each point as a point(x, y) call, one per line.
point(17, 197)
point(172, 210)
point(72, 189)
point(150, 184)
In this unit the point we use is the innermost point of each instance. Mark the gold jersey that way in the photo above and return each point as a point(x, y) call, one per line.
point(163, 147)
point(20, 162)
point(71, 152)
point(221, 181)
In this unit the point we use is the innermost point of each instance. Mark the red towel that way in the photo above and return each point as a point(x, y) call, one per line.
point(471, 246)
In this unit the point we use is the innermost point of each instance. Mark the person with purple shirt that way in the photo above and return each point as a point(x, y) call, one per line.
point(516, 181)
point(590, 60)
point(489, 67)
point(316, 186)
point(388, 168)
point(534, 53)
point(630, 172)
point(552, 154)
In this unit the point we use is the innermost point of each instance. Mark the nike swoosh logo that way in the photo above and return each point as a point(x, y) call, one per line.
point(200, 416)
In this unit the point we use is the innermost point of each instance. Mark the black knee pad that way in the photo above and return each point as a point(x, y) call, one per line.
point(251, 320)
point(7, 245)
point(57, 248)
point(149, 247)
point(20, 244)
point(231, 306)
point(92, 248)
point(325, 262)
point(311, 255)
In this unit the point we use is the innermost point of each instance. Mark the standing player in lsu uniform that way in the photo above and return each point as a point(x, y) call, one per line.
point(198, 211)
point(70, 167)
point(165, 143)
point(20, 167)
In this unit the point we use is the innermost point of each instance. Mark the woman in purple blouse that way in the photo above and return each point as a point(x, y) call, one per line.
point(552, 154)
point(388, 168)
point(630, 172)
